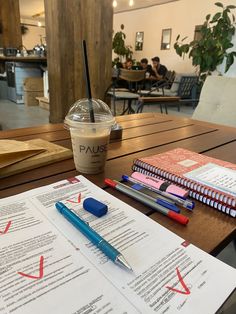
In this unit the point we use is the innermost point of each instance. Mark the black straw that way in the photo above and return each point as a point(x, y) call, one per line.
point(87, 79)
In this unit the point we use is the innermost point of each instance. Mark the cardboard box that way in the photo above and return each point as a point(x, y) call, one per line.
point(33, 84)
point(33, 87)
point(30, 97)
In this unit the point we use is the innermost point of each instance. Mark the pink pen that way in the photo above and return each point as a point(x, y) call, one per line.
point(160, 184)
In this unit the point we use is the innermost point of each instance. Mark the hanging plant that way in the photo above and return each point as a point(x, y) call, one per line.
point(211, 49)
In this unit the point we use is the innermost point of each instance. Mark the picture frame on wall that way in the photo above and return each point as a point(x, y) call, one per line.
point(139, 41)
point(197, 32)
point(166, 39)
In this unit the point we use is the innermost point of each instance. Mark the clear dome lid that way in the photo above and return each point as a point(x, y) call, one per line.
point(79, 113)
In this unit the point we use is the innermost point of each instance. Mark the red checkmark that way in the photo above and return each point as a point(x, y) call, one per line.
point(40, 271)
point(6, 229)
point(78, 200)
point(186, 289)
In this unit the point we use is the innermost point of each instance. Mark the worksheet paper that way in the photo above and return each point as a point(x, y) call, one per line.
point(169, 274)
point(40, 272)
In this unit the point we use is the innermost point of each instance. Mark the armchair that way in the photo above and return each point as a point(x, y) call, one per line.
point(217, 103)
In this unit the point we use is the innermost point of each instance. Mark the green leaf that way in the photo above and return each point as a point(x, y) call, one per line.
point(226, 17)
point(226, 11)
point(178, 50)
point(216, 17)
point(230, 45)
point(193, 43)
point(231, 7)
point(229, 61)
point(219, 4)
point(177, 38)
point(216, 38)
point(184, 38)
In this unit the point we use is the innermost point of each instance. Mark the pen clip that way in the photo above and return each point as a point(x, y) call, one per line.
point(168, 205)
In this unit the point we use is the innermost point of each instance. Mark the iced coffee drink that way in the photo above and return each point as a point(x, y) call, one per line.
point(89, 140)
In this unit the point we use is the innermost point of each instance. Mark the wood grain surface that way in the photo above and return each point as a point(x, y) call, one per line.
point(67, 24)
point(10, 36)
point(143, 135)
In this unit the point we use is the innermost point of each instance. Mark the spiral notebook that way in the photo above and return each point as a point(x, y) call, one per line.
point(210, 180)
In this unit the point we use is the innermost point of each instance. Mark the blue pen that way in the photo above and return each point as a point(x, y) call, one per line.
point(170, 197)
point(93, 236)
point(165, 203)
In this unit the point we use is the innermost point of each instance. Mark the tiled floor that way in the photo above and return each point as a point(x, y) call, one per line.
point(18, 116)
point(13, 116)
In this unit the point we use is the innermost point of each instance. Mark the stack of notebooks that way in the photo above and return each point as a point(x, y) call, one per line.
point(209, 180)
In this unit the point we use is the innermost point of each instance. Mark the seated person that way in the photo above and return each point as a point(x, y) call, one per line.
point(120, 83)
point(119, 65)
point(147, 67)
point(159, 70)
point(128, 64)
point(147, 84)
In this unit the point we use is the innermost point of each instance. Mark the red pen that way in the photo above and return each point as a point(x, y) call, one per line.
point(143, 198)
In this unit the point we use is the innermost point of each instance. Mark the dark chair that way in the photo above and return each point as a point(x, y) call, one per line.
point(156, 88)
point(185, 89)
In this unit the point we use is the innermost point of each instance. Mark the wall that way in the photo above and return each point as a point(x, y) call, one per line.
point(32, 37)
point(181, 16)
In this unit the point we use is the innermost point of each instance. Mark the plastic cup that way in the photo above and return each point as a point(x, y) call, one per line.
point(89, 140)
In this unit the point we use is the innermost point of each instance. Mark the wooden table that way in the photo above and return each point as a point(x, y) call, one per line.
point(144, 134)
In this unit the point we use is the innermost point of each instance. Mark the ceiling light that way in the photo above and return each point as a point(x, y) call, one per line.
point(131, 2)
point(114, 4)
point(39, 24)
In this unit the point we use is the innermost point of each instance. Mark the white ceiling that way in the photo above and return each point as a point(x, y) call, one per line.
point(123, 5)
point(28, 8)
point(31, 7)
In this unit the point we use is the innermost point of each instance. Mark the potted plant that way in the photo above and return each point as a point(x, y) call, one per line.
point(211, 49)
point(120, 48)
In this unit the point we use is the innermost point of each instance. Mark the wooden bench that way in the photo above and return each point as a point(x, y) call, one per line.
point(43, 102)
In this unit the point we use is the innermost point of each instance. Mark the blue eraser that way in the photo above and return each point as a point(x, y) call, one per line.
point(95, 207)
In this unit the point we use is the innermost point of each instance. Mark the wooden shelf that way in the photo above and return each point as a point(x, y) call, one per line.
point(24, 59)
